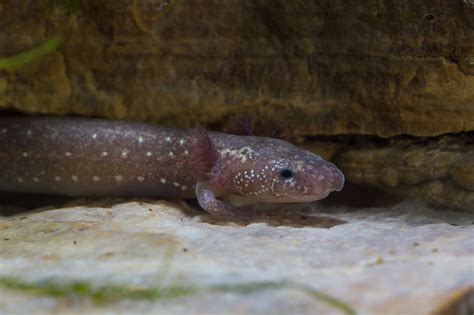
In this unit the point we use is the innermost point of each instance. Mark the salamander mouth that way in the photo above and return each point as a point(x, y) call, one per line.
point(306, 198)
point(286, 199)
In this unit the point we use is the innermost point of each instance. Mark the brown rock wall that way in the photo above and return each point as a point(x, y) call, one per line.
point(439, 170)
point(380, 68)
point(326, 67)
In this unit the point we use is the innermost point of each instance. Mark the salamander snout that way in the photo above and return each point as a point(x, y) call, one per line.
point(333, 175)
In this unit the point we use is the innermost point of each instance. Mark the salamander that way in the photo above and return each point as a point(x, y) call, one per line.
point(102, 157)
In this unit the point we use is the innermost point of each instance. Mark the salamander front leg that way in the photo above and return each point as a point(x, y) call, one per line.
point(207, 200)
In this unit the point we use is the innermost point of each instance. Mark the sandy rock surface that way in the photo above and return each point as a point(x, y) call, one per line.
point(405, 258)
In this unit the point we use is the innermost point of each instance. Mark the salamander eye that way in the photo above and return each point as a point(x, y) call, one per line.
point(286, 174)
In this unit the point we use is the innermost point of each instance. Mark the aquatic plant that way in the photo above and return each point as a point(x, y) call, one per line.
point(113, 292)
point(19, 60)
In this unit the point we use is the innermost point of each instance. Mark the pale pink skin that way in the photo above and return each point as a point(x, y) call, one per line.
point(96, 157)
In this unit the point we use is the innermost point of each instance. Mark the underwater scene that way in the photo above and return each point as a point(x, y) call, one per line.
point(237, 157)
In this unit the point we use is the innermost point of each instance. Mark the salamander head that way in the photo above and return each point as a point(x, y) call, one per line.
point(273, 170)
point(257, 169)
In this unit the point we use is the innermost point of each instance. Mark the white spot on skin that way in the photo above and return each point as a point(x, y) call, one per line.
point(140, 179)
point(118, 178)
point(184, 187)
point(67, 154)
point(124, 154)
point(19, 179)
point(94, 136)
point(104, 153)
point(96, 178)
point(74, 178)
point(35, 179)
point(182, 141)
point(163, 180)
point(171, 154)
point(29, 133)
point(272, 187)
point(176, 184)
point(141, 140)
point(57, 178)
point(168, 139)
point(4, 130)
point(149, 153)
point(186, 152)
point(243, 154)
point(25, 154)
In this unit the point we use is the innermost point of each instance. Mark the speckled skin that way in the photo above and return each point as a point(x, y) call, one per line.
point(96, 157)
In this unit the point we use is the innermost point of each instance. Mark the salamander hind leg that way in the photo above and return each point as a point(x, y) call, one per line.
point(208, 201)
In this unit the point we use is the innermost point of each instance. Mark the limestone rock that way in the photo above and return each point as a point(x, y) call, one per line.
point(370, 259)
point(439, 169)
point(324, 67)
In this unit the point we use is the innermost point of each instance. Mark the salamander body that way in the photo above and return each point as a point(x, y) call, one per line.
point(98, 157)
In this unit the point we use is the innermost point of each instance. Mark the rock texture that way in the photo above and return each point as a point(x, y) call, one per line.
point(438, 169)
point(401, 259)
point(318, 67)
